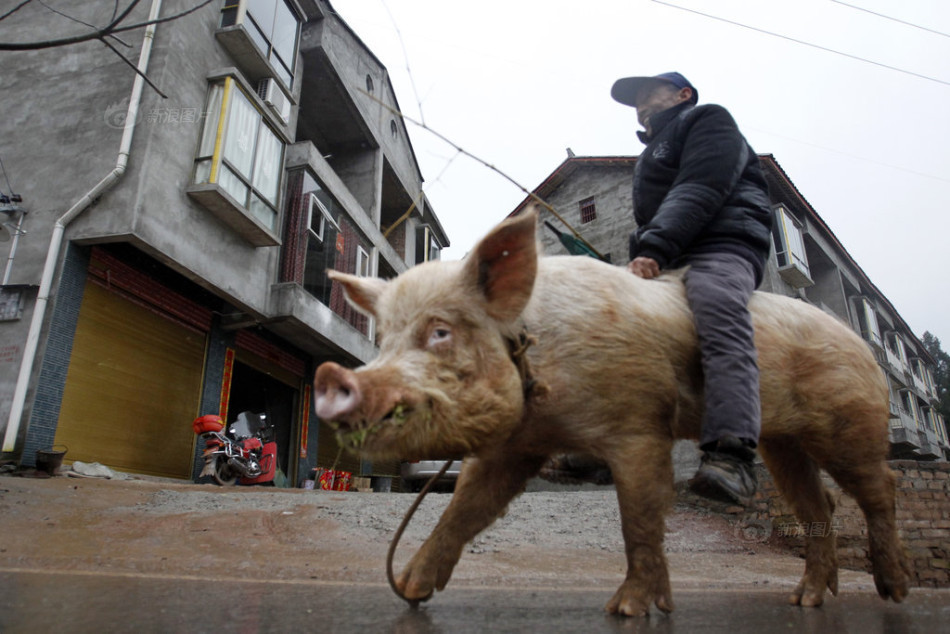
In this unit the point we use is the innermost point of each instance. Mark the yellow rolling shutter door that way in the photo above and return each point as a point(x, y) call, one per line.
point(132, 388)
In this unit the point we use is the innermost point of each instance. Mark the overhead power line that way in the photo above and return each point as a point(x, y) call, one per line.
point(891, 18)
point(804, 43)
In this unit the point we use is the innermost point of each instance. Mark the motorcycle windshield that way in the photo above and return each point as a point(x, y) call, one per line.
point(246, 425)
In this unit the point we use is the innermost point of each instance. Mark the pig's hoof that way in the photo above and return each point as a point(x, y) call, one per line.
point(891, 586)
point(416, 593)
point(630, 600)
point(810, 592)
point(413, 589)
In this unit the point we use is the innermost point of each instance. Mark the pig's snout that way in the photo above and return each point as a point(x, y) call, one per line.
point(336, 392)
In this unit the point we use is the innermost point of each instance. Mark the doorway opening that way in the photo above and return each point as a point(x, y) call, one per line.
point(259, 392)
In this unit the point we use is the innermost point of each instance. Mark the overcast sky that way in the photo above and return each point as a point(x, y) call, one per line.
point(854, 106)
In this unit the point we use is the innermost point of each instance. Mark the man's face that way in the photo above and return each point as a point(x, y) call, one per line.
point(657, 97)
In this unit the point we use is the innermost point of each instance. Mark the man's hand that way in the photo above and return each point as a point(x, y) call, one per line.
point(647, 268)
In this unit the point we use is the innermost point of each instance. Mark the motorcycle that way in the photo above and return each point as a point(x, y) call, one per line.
point(245, 453)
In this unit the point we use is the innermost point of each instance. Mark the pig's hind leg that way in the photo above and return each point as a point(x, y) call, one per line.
point(485, 487)
point(873, 486)
point(643, 473)
point(798, 479)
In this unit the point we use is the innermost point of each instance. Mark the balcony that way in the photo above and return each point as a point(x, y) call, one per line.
point(299, 317)
point(229, 211)
point(795, 276)
point(904, 441)
point(928, 448)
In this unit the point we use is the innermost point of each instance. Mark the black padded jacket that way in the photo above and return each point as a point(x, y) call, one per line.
point(699, 188)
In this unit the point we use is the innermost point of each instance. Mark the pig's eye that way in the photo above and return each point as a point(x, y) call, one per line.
point(440, 335)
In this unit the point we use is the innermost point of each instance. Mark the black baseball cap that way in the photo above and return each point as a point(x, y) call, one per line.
point(625, 90)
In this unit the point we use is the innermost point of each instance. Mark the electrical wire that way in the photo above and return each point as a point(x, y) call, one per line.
point(891, 18)
point(803, 42)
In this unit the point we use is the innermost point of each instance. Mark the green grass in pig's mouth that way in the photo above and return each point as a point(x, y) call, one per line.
point(354, 439)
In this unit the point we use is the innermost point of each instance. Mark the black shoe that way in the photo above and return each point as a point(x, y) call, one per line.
point(576, 469)
point(727, 472)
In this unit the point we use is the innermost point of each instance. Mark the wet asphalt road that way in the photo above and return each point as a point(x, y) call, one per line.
point(78, 602)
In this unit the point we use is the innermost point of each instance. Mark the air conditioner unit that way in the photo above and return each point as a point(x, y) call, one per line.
point(275, 98)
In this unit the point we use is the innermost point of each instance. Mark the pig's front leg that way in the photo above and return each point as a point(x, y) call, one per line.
point(485, 487)
point(643, 473)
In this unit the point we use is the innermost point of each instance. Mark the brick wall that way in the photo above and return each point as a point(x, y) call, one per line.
point(923, 517)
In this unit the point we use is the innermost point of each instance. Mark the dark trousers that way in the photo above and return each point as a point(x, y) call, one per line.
point(718, 288)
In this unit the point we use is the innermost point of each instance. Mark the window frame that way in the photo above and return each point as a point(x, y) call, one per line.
point(234, 13)
point(587, 206)
point(362, 262)
point(211, 162)
point(325, 217)
point(431, 247)
point(870, 323)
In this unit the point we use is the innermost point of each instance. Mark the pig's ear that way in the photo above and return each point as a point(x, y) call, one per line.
point(362, 292)
point(504, 264)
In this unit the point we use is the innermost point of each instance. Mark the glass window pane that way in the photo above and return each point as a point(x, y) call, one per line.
point(203, 172)
point(231, 183)
point(258, 37)
point(262, 12)
point(262, 212)
point(241, 134)
point(210, 132)
point(362, 262)
point(870, 318)
point(281, 69)
point(267, 165)
point(229, 15)
point(284, 39)
point(320, 257)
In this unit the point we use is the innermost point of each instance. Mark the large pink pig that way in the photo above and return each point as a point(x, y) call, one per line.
point(613, 373)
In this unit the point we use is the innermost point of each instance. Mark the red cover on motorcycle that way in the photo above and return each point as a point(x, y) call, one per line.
point(268, 464)
point(208, 423)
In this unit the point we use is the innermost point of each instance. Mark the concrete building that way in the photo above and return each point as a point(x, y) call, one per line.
point(171, 254)
point(593, 195)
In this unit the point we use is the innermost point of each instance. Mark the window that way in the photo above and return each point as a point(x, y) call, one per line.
point(240, 153)
point(869, 325)
point(362, 262)
point(427, 246)
point(790, 249)
point(909, 406)
point(324, 240)
point(274, 28)
point(318, 218)
point(588, 210)
point(895, 346)
point(929, 379)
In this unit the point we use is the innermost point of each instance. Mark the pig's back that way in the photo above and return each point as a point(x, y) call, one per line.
point(580, 303)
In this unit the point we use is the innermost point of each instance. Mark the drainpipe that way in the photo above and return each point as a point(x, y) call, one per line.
point(52, 255)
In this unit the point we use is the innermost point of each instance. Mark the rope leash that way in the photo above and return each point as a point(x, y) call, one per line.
point(413, 603)
point(517, 347)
